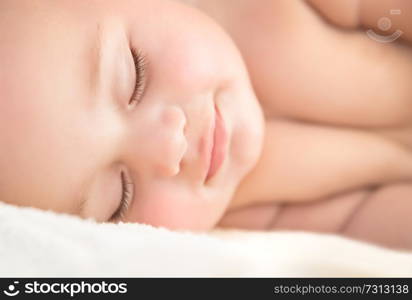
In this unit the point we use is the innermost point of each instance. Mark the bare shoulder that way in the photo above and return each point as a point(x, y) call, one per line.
point(384, 17)
point(305, 68)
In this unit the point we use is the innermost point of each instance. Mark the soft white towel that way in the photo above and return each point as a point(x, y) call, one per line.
point(35, 243)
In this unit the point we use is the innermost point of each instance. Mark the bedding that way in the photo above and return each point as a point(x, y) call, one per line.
point(36, 243)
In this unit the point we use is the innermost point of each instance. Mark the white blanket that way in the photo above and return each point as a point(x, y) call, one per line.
point(35, 243)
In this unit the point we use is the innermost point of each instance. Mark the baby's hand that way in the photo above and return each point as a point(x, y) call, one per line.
point(380, 215)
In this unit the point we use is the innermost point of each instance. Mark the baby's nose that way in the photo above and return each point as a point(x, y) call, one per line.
point(170, 141)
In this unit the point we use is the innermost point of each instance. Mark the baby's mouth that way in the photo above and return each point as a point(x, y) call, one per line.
point(217, 150)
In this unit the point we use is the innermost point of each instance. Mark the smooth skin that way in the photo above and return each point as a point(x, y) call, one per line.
point(68, 130)
point(336, 106)
point(338, 113)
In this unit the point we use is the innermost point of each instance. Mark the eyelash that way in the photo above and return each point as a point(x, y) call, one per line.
point(140, 63)
point(127, 195)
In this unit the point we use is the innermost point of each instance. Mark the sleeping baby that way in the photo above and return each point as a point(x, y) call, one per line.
point(271, 114)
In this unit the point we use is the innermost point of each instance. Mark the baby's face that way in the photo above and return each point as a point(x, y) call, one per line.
point(75, 135)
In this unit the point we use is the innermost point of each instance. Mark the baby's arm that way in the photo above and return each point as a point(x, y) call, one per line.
point(308, 162)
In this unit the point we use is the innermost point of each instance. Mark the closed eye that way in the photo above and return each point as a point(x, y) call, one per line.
point(126, 198)
point(140, 64)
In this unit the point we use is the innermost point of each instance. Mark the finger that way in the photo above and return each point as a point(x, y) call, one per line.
point(385, 217)
point(324, 215)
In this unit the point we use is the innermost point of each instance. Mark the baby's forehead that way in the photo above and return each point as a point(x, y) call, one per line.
point(45, 76)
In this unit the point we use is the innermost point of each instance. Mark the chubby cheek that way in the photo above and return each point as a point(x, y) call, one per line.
point(187, 60)
point(175, 208)
point(184, 70)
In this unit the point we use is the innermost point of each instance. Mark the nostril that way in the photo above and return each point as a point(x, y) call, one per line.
point(184, 135)
point(185, 146)
point(183, 123)
point(174, 145)
point(184, 127)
